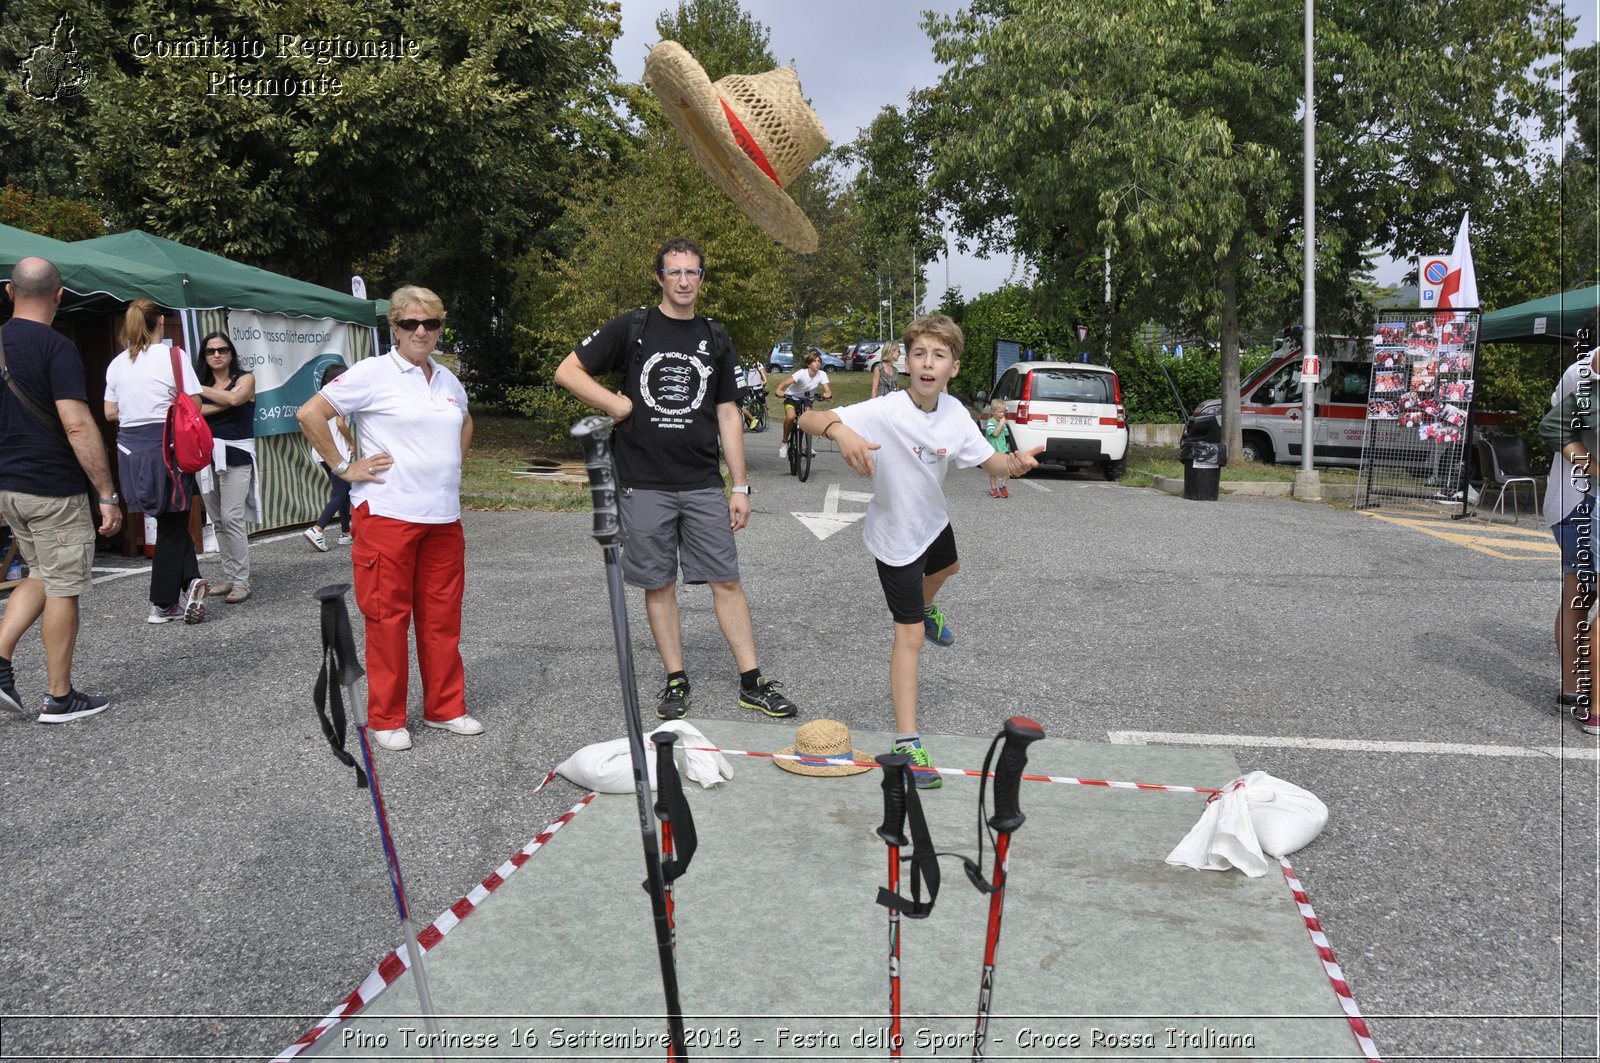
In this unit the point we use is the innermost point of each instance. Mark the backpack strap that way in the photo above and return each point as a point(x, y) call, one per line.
point(53, 422)
point(635, 342)
point(720, 340)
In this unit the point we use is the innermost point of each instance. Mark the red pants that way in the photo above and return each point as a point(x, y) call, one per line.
point(404, 570)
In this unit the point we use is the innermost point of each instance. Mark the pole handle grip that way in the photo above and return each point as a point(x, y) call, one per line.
point(893, 831)
point(663, 741)
point(1020, 732)
point(336, 631)
point(595, 435)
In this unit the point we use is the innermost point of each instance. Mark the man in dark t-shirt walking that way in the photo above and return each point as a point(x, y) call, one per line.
point(55, 462)
point(679, 399)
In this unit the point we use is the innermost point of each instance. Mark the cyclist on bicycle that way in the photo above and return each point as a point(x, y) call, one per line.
point(801, 388)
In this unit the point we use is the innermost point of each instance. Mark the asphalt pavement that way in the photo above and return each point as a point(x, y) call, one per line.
point(193, 874)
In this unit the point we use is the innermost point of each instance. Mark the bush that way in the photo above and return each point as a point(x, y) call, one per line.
point(553, 412)
point(1146, 394)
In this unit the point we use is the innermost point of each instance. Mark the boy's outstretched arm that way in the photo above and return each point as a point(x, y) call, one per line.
point(853, 447)
point(1012, 464)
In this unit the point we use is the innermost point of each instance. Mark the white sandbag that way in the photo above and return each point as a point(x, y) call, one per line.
point(1255, 815)
point(1223, 838)
point(608, 766)
point(1286, 817)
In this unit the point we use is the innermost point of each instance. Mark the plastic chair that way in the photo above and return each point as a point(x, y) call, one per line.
point(1503, 461)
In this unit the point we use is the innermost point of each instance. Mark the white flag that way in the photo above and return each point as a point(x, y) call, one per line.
point(1460, 288)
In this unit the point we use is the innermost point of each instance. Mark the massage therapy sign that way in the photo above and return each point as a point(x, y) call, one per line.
point(288, 356)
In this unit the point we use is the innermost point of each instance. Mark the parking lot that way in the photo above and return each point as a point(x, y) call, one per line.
point(192, 873)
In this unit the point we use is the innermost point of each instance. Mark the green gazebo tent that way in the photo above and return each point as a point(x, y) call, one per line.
point(1552, 319)
point(92, 275)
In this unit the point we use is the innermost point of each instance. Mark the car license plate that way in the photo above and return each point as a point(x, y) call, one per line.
point(1072, 420)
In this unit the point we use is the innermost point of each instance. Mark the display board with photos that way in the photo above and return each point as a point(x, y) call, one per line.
point(1419, 408)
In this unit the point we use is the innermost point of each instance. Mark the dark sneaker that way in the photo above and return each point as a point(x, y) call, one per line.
point(9, 698)
point(936, 626)
point(765, 698)
point(1590, 724)
point(75, 706)
point(194, 603)
point(674, 703)
point(922, 772)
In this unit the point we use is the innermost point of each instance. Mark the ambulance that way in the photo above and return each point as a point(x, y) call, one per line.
point(1270, 406)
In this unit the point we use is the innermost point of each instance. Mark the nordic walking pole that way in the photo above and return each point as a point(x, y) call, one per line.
point(1019, 733)
point(339, 651)
point(893, 833)
point(595, 435)
point(663, 742)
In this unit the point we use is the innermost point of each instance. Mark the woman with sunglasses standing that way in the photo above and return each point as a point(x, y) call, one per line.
point(230, 487)
point(409, 557)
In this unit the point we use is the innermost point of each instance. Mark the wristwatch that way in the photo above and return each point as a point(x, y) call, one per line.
point(742, 489)
point(114, 500)
point(343, 465)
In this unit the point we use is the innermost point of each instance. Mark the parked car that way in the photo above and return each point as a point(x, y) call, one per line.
point(1073, 408)
point(857, 355)
point(782, 357)
point(833, 363)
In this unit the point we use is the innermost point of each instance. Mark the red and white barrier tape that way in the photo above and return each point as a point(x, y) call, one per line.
point(1065, 780)
point(393, 965)
point(1341, 988)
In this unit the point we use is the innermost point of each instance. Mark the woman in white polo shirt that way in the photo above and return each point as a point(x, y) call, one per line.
point(410, 554)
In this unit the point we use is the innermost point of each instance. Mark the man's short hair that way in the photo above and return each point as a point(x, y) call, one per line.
point(35, 278)
point(680, 245)
point(938, 326)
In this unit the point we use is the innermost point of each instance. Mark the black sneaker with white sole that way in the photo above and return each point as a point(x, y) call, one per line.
point(765, 698)
point(9, 698)
point(674, 704)
point(75, 706)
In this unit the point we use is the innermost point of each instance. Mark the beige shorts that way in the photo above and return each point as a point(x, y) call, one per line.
point(56, 538)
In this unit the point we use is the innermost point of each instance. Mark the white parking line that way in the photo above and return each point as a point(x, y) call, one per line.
point(1025, 482)
point(117, 573)
point(1142, 738)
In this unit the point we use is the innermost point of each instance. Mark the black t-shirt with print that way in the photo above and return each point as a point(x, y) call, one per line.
point(676, 381)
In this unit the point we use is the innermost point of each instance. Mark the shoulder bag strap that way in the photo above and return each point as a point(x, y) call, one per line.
point(47, 419)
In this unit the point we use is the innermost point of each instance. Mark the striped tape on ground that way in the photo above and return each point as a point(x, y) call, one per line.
point(393, 965)
point(1330, 965)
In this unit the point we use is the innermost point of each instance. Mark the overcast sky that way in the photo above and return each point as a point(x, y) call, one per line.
point(855, 57)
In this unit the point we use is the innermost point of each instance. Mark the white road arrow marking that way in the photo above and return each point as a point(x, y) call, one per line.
point(830, 520)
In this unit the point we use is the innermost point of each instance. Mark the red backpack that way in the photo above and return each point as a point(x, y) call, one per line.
point(187, 436)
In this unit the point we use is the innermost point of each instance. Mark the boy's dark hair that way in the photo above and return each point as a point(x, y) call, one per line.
point(679, 245)
point(940, 327)
point(332, 372)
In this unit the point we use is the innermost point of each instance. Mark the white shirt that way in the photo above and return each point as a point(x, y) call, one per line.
point(803, 382)
point(417, 422)
point(144, 388)
point(338, 441)
point(1563, 492)
point(915, 451)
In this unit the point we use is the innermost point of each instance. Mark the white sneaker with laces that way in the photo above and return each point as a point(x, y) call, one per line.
point(783, 450)
point(346, 539)
point(397, 739)
point(461, 725)
point(317, 539)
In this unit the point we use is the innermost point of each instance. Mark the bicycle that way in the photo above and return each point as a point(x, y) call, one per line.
point(800, 446)
point(753, 405)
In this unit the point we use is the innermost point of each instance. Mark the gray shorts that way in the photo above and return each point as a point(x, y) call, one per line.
point(666, 527)
point(55, 537)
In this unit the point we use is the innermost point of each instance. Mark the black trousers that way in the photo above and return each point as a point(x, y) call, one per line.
point(174, 566)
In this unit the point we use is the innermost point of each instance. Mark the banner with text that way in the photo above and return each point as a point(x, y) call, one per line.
point(288, 356)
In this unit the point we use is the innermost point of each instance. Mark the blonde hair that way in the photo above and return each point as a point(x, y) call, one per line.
point(141, 326)
point(997, 408)
point(411, 293)
point(939, 327)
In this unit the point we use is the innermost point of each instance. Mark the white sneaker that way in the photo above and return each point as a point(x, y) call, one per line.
point(317, 539)
point(158, 615)
point(346, 539)
point(397, 739)
point(461, 725)
point(783, 450)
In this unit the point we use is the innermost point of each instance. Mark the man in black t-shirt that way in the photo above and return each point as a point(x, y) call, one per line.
point(679, 399)
point(54, 460)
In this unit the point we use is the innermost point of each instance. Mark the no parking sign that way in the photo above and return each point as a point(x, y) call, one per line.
point(1431, 274)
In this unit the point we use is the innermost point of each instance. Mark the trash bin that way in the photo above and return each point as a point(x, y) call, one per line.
point(1203, 454)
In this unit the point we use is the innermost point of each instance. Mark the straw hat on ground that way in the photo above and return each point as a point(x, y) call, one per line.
point(819, 741)
point(752, 133)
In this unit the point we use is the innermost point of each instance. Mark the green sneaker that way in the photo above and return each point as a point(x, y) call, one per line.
point(936, 627)
point(922, 772)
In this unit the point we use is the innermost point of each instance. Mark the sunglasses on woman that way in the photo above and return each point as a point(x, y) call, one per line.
point(411, 324)
point(219, 350)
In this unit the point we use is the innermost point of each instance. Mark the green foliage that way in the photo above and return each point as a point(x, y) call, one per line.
point(1146, 393)
point(1007, 314)
point(47, 215)
point(551, 411)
